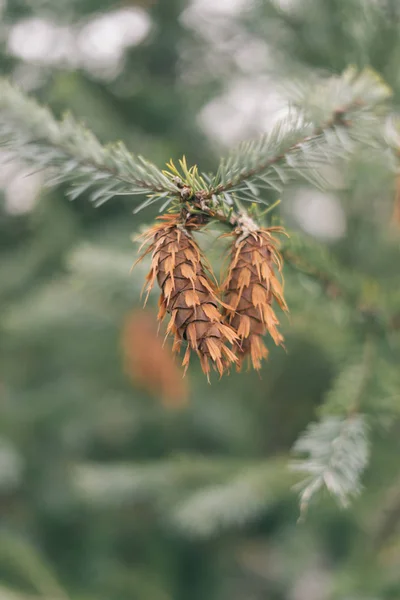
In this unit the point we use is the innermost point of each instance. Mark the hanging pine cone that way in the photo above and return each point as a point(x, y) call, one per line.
point(250, 288)
point(188, 295)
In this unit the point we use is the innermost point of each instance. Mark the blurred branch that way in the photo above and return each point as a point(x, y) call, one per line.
point(389, 519)
point(311, 258)
point(332, 117)
point(26, 561)
point(72, 153)
point(239, 500)
point(119, 482)
point(7, 593)
point(202, 495)
point(346, 394)
point(370, 302)
point(337, 454)
point(336, 448)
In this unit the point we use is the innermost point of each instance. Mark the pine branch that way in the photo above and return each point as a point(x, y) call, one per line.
point(349, 387)
point(352, 94)
point(265, 164)
point(337, 446)
point(337, 454)
point(372, 304)
point(313, 259)
point(151, 481)
point(329, 120)
point(198, 496)
point(232, 503)
point(71, 154)
point(389, 519)
point(27, 564)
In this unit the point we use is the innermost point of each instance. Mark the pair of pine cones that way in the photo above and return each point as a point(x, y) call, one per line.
point(224, 326)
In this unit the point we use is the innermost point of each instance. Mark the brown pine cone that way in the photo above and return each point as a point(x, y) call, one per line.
point(249, 290)
point(149, 363)
point(188, 295)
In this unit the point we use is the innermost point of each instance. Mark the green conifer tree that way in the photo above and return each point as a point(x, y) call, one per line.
point(107, 492)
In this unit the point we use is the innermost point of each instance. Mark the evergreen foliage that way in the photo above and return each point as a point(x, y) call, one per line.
point(106, 491)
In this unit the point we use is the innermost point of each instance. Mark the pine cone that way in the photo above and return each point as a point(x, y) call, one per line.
point(188, 295)
point(249, 289)
point(149, 363)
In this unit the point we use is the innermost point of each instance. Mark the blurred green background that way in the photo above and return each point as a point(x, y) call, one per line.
point(119, 481)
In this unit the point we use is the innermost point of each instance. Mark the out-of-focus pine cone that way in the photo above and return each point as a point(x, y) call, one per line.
point(396, 205)
point(188, 295)
point(149, 363)
point(250, 287)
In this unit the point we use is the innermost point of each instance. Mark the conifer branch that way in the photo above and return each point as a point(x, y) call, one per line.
point(387, 524)
point(264, 165)
point(307, 256)
point(72, 154)
point(313, 259)
point(235, 501)
point(26, 561)
point(336, 448)
point(329, 120)
point(337, 453)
